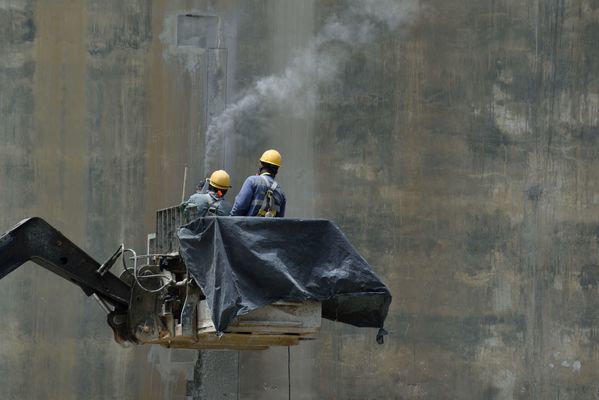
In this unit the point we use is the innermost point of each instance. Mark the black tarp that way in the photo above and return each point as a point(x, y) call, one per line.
point(243, 263)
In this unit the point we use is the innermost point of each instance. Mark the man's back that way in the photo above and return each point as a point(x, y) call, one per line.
point(252, 195)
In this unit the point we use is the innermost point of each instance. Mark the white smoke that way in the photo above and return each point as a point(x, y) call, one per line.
point(296, 88)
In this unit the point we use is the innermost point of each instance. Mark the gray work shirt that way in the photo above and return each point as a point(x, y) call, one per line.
point(203, 201)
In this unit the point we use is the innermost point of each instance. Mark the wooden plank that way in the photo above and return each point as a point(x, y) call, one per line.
point(278, 324)
point(231, 341)
point(280, 317)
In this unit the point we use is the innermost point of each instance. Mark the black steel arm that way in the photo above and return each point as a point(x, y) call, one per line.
point(33, 239)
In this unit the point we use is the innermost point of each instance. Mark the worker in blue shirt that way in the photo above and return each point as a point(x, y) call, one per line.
point(261, 195)
point(211, 201)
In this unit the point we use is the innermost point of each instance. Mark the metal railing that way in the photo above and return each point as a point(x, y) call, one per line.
point(168, 220)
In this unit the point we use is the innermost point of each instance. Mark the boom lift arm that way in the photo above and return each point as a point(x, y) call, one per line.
point(33, 239)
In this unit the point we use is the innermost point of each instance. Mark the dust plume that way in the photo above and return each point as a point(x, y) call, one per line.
point(296, 88)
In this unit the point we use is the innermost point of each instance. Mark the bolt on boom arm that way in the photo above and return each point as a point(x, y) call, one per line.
point(33, 239)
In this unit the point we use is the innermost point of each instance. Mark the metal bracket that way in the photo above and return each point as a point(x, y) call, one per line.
point(110, 262)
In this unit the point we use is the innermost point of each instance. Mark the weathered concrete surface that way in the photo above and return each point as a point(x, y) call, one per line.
point(459, 155)
point(73, 104)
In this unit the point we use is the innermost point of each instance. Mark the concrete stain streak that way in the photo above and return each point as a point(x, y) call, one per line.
point(17, 67)
point(118, 38)
point(59, 177)
point(17, 173)
point(176, 138)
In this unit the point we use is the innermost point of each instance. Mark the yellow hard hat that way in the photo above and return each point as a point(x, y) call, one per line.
point(272, 157)
point(220, 179)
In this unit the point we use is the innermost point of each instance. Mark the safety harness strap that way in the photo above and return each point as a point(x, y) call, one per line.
point(269, 208)
point(213, 205)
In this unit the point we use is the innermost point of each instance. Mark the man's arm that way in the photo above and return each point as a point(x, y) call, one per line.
point(194, 198)
point(243, 200)
point(200, 201)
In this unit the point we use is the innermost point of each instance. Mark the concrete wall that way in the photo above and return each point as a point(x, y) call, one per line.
point(458, 153)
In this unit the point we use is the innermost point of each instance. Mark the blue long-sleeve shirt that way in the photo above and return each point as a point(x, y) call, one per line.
point(252, 193)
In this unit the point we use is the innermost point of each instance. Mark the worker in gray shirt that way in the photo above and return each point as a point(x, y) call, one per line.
point(211, 201)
